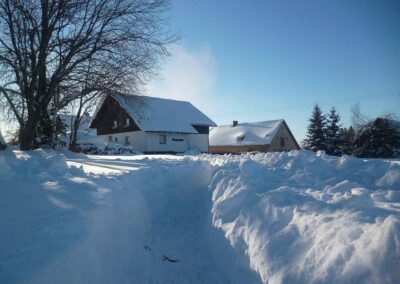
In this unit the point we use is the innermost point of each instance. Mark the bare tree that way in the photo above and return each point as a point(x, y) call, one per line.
point(358, 119)
point(46, 46)
point(83, 106)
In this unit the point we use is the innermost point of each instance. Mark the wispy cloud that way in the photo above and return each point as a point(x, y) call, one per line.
point(187, 75)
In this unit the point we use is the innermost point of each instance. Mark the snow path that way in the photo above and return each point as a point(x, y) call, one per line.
point(156, 228)
point(295, 217)
point(181, 228)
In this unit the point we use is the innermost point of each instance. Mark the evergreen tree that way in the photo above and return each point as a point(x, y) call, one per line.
point(333, 134)
point(316, 139)
point(379, 139)
point(347, 139)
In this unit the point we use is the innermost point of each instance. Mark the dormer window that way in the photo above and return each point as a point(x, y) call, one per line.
point(115, 125)
point(240, 138)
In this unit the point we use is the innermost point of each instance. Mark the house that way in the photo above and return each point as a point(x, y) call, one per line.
point(69, 120)
point(85, 134)
point(264, 136)
point(152, 125)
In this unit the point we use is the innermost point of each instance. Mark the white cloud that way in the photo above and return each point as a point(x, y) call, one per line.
point(187, 75)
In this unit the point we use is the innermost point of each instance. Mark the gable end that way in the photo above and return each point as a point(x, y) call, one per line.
point(112, 118)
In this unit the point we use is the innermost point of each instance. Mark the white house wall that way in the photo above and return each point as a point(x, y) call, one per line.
point(189, 142)
point(137, 139)
point(150, 141)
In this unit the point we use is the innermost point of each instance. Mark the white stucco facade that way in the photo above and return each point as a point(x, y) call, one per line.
point(152, 142)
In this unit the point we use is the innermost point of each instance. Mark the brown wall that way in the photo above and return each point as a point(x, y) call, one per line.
point(109, 112)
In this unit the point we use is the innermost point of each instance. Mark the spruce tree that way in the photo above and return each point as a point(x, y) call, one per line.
point(316, 139)
point(333, 133)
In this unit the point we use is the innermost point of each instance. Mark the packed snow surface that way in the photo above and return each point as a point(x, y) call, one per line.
point(297, 217)
point(254, 133)
point(158, 114)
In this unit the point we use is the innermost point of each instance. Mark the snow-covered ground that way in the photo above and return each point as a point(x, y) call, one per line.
point(295, 217)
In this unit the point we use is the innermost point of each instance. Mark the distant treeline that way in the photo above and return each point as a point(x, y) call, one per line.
point(366, 138)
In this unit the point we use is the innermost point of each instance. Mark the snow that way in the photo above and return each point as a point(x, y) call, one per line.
point(254, 133)
point(297, 217)
point(303, 218)
point(157, 114)
point(69, 121)
point(85, 133)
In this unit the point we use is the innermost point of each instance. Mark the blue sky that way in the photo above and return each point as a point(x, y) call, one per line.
point(261, 60)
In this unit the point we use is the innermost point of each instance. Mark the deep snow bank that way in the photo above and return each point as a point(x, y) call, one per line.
point(304, 218)
point(295, 217)
point(46, 209)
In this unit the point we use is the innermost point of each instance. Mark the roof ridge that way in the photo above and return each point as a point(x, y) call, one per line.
point(146, 96)
point(254, 123)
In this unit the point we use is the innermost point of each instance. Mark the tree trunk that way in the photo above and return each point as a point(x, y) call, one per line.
point(73, 144)
point(28, 134)
point(75, 128)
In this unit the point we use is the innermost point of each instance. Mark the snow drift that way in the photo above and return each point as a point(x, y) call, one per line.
point(306, 218)
point(295, 217)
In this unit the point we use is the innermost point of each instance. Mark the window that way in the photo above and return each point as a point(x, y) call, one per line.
point(116, 139)
point(127, 140)
point(109, 138)
point(240, 138)
point(282, 142)
point(163, 139)
point(127, 122)
point(115, 124)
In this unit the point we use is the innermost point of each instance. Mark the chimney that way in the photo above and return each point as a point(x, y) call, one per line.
point(234, 123)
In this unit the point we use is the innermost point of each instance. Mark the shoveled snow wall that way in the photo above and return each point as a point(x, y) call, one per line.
point(301, 217)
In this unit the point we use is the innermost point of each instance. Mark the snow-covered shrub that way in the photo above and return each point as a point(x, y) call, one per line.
point(104, 149)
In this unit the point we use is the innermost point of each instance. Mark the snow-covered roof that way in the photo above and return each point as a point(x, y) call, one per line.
point(69, 120)
point(157, 114)
point(252, 133)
